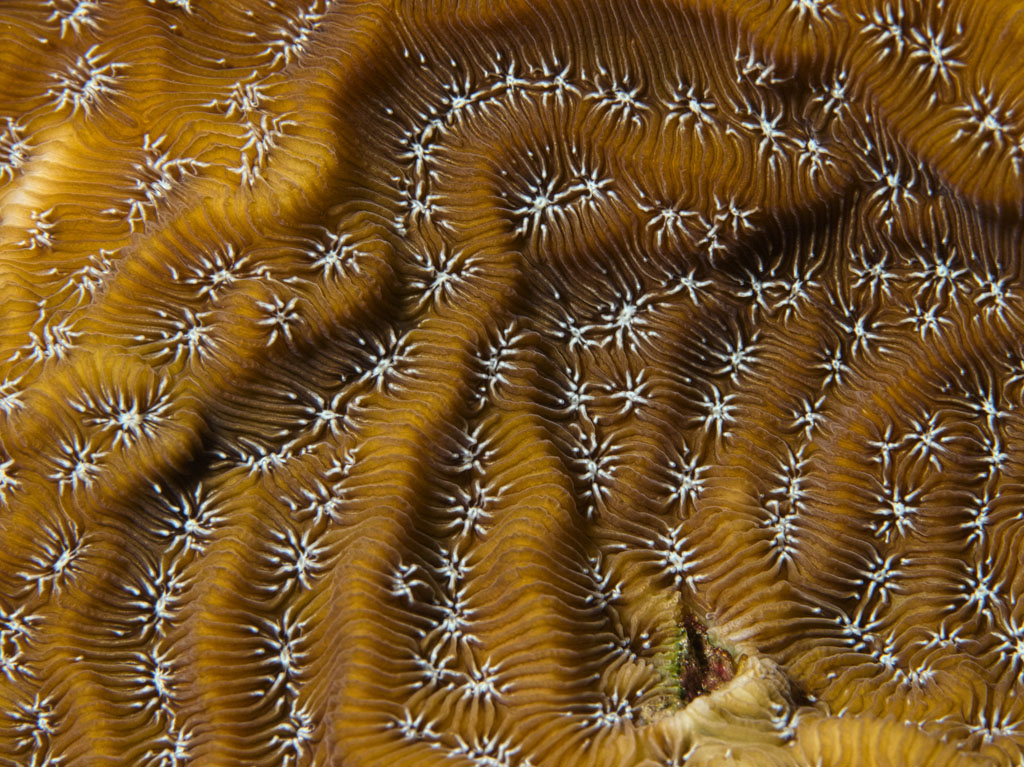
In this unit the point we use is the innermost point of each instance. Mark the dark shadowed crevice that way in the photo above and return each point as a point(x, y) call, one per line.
point(700, 666)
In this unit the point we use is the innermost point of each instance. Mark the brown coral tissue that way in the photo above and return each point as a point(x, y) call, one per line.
point(511, 383)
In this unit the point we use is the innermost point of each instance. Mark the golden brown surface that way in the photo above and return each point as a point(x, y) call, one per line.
point(620, 382)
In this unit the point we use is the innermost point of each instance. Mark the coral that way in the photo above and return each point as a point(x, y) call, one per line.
point(509, 383)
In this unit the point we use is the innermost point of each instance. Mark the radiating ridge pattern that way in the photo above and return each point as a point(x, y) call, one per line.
point(510, 384)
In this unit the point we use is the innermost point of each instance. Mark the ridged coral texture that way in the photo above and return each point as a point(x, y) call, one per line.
point(511, 383)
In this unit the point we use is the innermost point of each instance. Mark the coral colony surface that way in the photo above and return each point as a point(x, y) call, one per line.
point(511, 383)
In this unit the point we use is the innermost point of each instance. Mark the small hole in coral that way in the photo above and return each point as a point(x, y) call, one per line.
point(701, 666)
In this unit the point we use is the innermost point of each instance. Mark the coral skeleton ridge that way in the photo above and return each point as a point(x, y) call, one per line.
point(502, 383)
